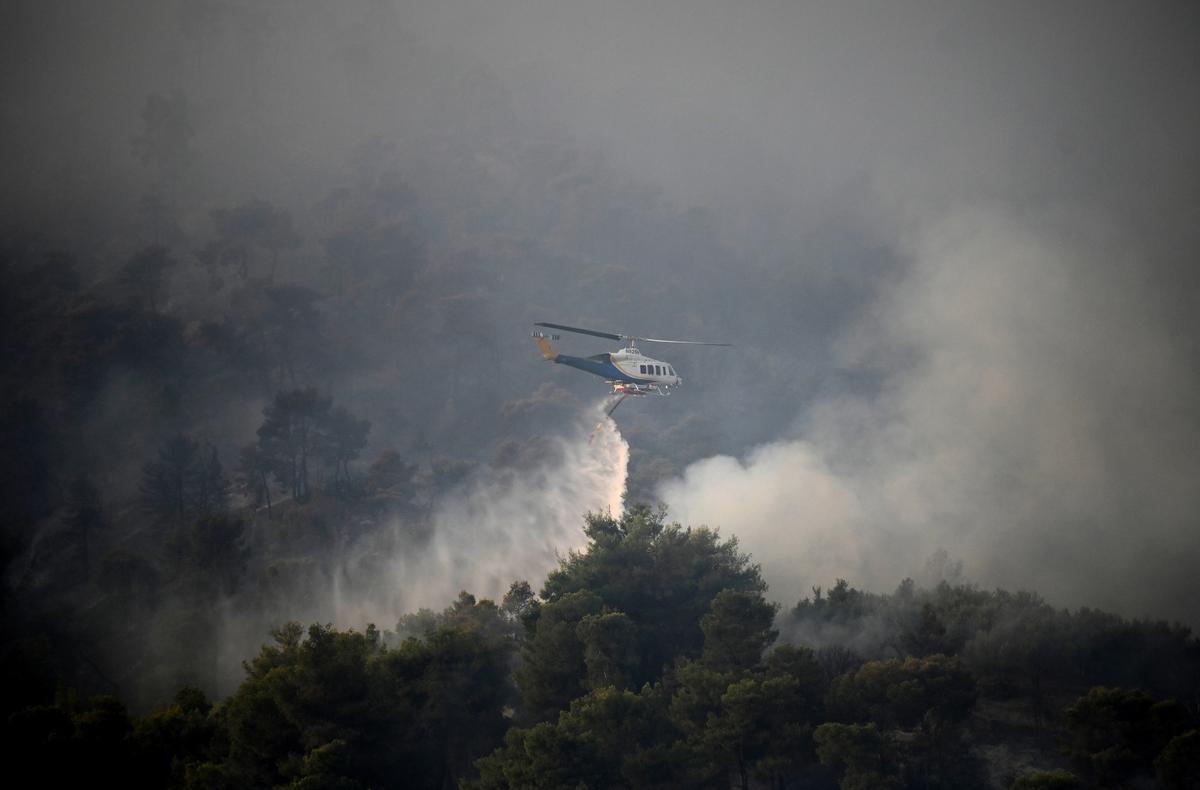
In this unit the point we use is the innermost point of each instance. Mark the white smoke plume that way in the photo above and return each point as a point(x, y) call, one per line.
point(1035, 418)
point(501, 525)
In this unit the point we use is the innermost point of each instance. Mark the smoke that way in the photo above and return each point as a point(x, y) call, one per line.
point(992, 208)
point(1035, 418)
point(506, 523)
point(512, 519)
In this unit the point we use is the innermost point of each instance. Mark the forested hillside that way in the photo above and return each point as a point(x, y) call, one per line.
point(652, 659)
point(290, 499)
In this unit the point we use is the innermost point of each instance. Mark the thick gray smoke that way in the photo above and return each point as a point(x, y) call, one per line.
point(1034, 419)
point(954, 245)
point(1017, 363)
point(501, 525)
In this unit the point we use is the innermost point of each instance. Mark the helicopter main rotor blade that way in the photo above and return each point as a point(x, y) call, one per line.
point(682, 342)
point(615, 336)
point(609, 335)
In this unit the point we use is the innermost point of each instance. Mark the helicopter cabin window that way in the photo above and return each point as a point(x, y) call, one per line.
point(642, 368)
point(658, 370)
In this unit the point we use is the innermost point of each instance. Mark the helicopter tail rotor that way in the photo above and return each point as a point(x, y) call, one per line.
point(547, 350)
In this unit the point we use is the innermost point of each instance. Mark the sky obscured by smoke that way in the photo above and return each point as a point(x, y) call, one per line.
point(1036, 420)
point(999, 204)
point(1034, 171)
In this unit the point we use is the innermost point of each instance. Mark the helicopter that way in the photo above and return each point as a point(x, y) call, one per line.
point(627, 370)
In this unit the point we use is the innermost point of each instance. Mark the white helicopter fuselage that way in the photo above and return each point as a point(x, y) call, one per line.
point(628, 370)
point(638, 368)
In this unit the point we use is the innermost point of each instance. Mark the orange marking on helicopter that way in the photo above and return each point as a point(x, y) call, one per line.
point(547, 350)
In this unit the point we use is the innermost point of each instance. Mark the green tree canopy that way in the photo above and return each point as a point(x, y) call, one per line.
point(185, 481)
point(1178, 765)
point(252, 477)
point(906, 693)
point(737, 629)
point(1114, 733)
point(342, 439)
point(609, 649)
point(290, 434)
point(862, 756)
point(664, 577)
point(609, 738)
point(327, 708)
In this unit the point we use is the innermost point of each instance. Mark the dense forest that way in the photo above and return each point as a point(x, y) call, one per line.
point(652, 659)
point(290, 499)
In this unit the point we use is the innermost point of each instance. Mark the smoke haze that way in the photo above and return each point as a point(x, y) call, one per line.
point(1035, 419)
point(954, 246)
point(1024, 366)
point(503, 524)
